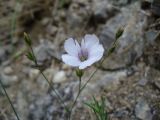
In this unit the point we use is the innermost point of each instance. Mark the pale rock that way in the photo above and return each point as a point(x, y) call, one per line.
point(49, 73)
point(142, 82)
point(33, 73)
point(142, 110)
point(52, 29)
point(60, 77)
point(45, 21)
point(65, 66)
point(130, 45)
point(109, 82)
point(8, 80)
point(8, 70)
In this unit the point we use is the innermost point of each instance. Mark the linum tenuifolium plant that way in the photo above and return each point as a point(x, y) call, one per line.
point(79, 55)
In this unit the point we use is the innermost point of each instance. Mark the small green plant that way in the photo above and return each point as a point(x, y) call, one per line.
point(98, 108)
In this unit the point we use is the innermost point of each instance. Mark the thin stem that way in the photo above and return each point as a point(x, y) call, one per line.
point(9, 100)
point(13, 21)
point(79, 91)
point(35, 60)
point(57, 94)
point(78, 94)
point(88, 80)
point(92, 74)
point(50, 83)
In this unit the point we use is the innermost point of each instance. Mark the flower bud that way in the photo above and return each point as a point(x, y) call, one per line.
point(30, 56)
point(112, 49)
point(27, 39)
point(79, 73)
point(119, 33)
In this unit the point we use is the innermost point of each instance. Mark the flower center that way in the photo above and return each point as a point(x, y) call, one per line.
point(83, 55)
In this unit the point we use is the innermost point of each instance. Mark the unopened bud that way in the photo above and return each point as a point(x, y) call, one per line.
point(112, 49)
point(119, 33)
point(27, 39)
point(30, 56)
point(79, 73)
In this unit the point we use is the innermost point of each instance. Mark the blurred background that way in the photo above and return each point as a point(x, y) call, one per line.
point(129, 79)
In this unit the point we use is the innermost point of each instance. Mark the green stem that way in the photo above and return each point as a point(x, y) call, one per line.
point(79, 91)
point(57, 94)
point(88, 80)
point(78, 94)
point(13, 21)
point(9, 99)
point(50, 83)
point(35, 60)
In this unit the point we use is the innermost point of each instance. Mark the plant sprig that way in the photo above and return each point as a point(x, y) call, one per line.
point(31, 56)
point(98, 108)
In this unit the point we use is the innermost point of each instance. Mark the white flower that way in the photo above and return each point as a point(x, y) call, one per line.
point(84, 55)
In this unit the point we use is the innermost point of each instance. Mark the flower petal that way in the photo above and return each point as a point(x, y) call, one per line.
point(89, 41)
point(83, 44)
point(87, 63)
point(96, 51)
point(70, 60)
point(72, 47)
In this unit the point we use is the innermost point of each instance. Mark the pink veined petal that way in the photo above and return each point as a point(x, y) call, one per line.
point(87, 63)
point(96, 52)
point(70, 60)
point(72, 47)
point(83, 44)
point(90, 40)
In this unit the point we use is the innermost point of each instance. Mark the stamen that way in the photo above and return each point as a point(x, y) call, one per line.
point(83, 55)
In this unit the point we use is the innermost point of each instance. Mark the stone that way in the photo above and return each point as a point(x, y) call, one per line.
point(33, 73)
point(52, 30)
point(43, 84)
point(102, 11)
point(78, 16)
point(36, 110)
point(60, 77)
point(45, 21)
point(130, 45)
point(121, 112)
point(142, 82)
point(44, 50)
point(122, 2)
point(142, 110)
point(8, 80)
point(2, 54)
point(151, 51)
point(45, 107)
point(8, 70)
point(21, 105)
point(155, 7)
point(108, 82)
point(50, 72)
point(111, 81)
point(8, 50)
point(44, 53)
point(150, 36)
point(157, 84)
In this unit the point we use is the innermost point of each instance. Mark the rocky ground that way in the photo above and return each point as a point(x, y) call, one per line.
point(129, 79)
